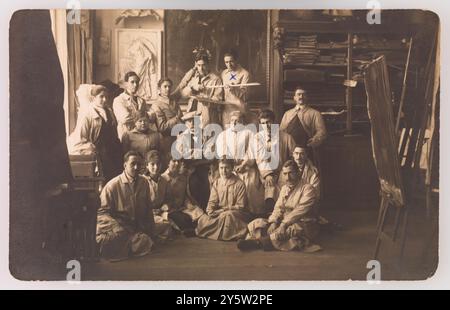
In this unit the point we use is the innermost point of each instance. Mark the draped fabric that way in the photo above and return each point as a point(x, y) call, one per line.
point(38, 135)
point(39, 160)
point(80, 53)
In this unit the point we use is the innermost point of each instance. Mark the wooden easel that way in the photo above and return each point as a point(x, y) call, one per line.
point(413, 139)
point(400, 223)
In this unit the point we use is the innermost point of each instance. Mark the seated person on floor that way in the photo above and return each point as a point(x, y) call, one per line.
point(226, 217)
point(158, 189)
point(293, 223)
point(271, 148)
point(182, 211)
point(309, 174)
point(236, 143)
point(307, 171)
point(142, 138)
point(125, 220)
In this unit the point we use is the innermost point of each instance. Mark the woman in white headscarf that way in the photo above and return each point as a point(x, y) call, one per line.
point(96, 133)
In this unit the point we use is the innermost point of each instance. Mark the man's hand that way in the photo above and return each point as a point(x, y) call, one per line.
point(272, 228)
point(282, 227)
point(269, 181)
point(157, 211)
point(240, 168)
point(312, 143)
point(198, 87)
point(280, 233)
point(215, 213)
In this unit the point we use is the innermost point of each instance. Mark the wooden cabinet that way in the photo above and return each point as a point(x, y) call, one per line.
point(327, 59)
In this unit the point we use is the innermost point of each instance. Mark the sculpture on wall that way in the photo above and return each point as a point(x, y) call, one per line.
point(138, 13)
point(139, 50)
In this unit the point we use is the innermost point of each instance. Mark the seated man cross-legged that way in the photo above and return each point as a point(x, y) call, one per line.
point(293, 223)
point(125, 220)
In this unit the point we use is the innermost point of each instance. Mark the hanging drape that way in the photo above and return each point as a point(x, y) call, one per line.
point(38, 137)
point(80, 55)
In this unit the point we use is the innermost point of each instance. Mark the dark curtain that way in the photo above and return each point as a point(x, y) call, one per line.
point(38, 134)
point(39, 159)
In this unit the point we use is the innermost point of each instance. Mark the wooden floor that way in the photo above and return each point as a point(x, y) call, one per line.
point(344, 256)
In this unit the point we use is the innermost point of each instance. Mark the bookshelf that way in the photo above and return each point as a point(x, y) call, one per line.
point(322, 55)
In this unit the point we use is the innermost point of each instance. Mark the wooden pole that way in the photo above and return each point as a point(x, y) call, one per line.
point(348, 91)
point(402, 97)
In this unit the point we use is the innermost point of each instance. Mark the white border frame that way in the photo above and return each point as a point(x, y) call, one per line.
point(440, 280)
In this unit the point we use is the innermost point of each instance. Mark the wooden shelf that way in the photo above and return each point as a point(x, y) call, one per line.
point(317, 82)
point(356, 48)
point(343, 48)
point(342, 105)
point(355, 122)
point(378, 49)
point(339, 105)
point(334, 40)
point(343, 27)
point(356, 63)
point(293, 66)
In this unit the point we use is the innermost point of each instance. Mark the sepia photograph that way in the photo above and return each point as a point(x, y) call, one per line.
point(225, 145)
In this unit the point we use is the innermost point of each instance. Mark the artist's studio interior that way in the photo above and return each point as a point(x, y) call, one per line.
point(347, 100)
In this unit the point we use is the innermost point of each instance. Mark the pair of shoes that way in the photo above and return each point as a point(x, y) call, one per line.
point(248, 245)
point(189, 233)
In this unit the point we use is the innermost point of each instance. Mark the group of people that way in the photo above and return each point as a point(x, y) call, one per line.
point(258, 188)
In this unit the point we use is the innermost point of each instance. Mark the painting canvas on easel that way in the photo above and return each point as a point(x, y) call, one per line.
point(384, 145)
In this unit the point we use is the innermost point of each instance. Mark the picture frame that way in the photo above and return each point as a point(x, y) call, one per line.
point(139, 50)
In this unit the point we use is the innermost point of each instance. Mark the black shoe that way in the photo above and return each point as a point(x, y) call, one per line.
point(248, 245)
point(266, 244)
point(189, 233)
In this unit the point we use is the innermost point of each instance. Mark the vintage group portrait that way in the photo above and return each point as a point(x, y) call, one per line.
point(155, 145)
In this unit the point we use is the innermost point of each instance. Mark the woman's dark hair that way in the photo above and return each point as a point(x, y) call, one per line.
point(97, 89)
point(201, 56)
point(130, 74)
point(152, 156)
point(140, 114)
point(164, 79)
point(226, 161)
point(131, 153)
point(290, 164)
point(172, 157)
point(114, 89)
point(301, 88)
point(266, 113)
point(231, 52)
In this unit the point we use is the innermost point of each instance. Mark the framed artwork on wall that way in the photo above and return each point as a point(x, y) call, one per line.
point(139, 50)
